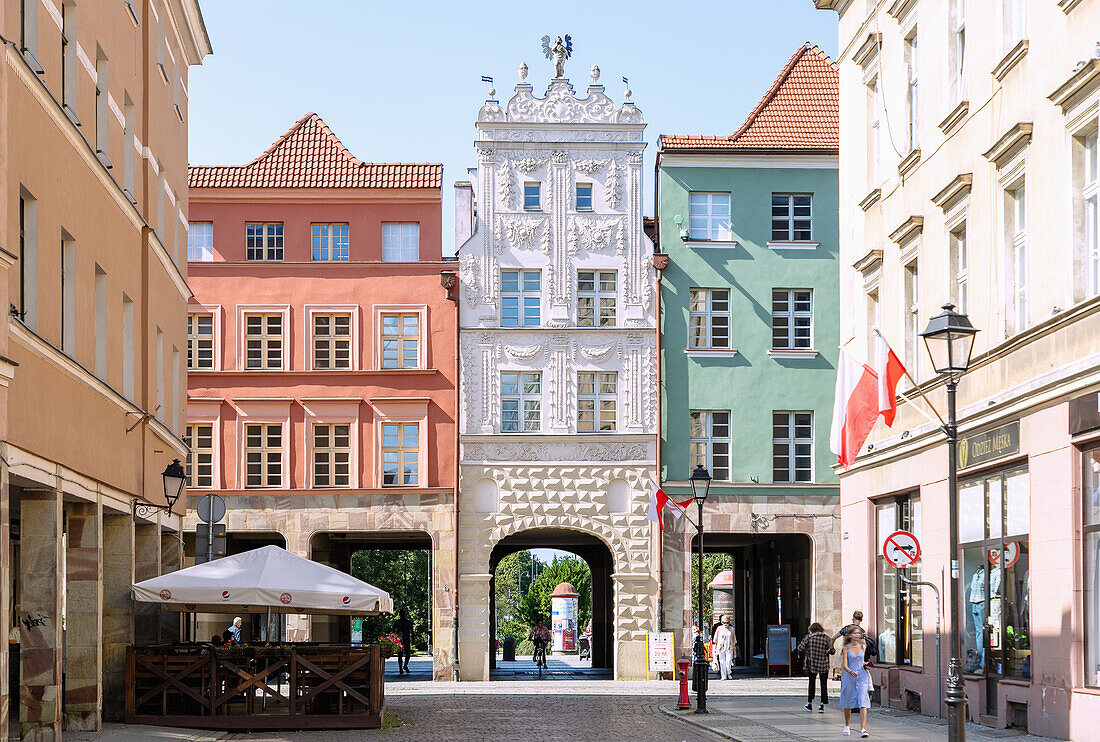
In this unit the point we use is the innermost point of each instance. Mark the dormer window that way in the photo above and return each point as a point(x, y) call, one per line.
point(531, 197)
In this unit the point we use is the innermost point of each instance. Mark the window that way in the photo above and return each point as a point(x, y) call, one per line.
point(99, 329)
point(873, 319)
point(263, 451)
point(332, 455)
point(28, 260)
point(520, 296)
point(709, 216)
point(400, 242)
point(200, 242)
point(792, 446)
point(900, 630)
point(531, 196)
point(875, 127)
point(1014, 17)
point(263, 341)
point(792, 319)
point(912, 99)
point(958, 259)
point(400, 451)
point(1016, 203)
point(994, 520)
point(791, 217)
point(709, 320)
point(330, 242)
point(912, 320)
point(1090, 482)
point(68, 295)
point(200, 455)
point(200, 342)
point(331, 341)
point(128, 149)
point(521, 401)
point(127, 346)
point(101, 111)
point(264, 241)
point(958, 49)
point(28, 30)
point(68, 59)
point(400, 340)
point(160, 375)
point(584, 197)
point(710, 443)
point(596, 401)
point(1091, 195)
point(596, 297)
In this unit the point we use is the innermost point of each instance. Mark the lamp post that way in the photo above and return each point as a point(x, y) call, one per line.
point(173, 477)
point(949, 338)
point(700, 486)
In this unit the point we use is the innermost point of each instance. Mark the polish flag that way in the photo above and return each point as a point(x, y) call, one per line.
point(855, 408)
point(657, 501)
point(889, 369)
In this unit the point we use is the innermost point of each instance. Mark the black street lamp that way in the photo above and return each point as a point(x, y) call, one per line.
point(174, 477)
point(700, 486)
point(949, 338)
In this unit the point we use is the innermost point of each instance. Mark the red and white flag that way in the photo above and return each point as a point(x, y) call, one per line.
point(889, 369)
point(855, 408)
point(657, 501)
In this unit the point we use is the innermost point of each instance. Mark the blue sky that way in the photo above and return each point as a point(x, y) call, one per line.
point(401, 81)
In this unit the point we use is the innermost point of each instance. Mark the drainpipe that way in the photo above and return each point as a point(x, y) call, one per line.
point(449, 280)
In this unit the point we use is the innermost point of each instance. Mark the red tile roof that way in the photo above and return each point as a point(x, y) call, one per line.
point(801, 111)
point(310, 156)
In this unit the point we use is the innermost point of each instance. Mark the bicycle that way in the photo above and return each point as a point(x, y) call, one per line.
point(539, 656)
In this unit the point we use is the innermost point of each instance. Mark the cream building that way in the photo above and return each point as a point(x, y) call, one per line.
point(557, 347)
point(968, 175)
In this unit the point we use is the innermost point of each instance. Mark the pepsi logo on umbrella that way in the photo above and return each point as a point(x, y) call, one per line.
point(347, 600)
point(225, 595)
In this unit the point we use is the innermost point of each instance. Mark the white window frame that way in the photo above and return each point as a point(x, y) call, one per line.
point(591, 196)
point(875, 170)
point(597, 397)
point(788, 218)
point(1014, 18)
point(792, 441)
point(1017, 239)
point(312, 310)
point(273, 249)
point(207, 411)
point(705, 223)
point(911, 298)
point(197, 253)
point(401, 410)
point(958, 49)
point(707, 439)
point(401, 253)
point(333, 411)
point(790, 316)
point(521, 295)
point(192, 473)
point(329, 242)
point(537, 186)
point(522, 398)
point(242, 339)
point(708, 315)
point(1090, 198)
point(421, 310)
point(331, 452)
point(912, 90)
point(263, 412)
point(193, 338)
point(597, 296)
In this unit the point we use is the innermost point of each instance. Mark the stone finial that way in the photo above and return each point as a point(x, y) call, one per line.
point(627, 94)
point(522, 71)
point(492, 92)
point(595, 72)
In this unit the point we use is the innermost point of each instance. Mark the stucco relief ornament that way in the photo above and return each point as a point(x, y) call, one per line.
point(522, 71)
point(595, 72)
point(558, 53)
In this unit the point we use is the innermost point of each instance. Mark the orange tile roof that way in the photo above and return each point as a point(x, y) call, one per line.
point(310, 156)
point(801, 111)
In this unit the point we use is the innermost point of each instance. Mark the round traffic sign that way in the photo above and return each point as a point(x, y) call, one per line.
point(1012, 553)
point(211, 508)
point(901, 549)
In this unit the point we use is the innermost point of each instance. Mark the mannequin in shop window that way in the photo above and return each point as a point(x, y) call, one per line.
point(977, 612)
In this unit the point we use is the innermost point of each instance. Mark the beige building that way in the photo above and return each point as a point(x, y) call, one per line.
point(968, 174)
point(93, 146)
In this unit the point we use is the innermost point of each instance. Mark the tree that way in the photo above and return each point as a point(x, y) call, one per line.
point(536, 603)
point(514, 575)
point(712, 565)
point(404, 575)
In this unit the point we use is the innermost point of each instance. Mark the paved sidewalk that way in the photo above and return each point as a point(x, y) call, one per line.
point(773, 718)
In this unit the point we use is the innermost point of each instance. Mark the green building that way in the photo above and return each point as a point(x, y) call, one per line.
point(749, 316)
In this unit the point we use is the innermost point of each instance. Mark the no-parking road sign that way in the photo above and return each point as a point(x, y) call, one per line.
point(901, 549)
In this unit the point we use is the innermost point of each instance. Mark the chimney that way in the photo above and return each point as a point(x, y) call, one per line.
point(464, 212)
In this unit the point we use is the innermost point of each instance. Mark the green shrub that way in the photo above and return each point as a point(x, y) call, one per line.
point(525, 648)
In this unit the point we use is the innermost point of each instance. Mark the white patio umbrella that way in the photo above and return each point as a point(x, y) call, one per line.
point(268, 579)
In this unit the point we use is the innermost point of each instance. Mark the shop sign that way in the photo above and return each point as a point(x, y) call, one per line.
point(989, 445)
point(1084, 413)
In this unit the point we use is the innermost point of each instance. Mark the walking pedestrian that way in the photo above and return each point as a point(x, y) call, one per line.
point(814, 649)
point(855, 683)
point(403, 627)
point(723, 643)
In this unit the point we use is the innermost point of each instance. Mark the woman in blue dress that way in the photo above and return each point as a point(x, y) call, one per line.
point(855, 683)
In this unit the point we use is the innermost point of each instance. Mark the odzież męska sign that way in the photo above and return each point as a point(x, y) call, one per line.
point(989, 445)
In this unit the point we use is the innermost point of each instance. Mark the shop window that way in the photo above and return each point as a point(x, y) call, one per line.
point(994, 517)
point(1090, 486)
point(900, 616)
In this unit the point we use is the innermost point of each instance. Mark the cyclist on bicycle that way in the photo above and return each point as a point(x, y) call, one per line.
point(540, 636)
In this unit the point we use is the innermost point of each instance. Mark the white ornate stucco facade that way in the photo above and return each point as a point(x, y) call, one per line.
point(558, 479)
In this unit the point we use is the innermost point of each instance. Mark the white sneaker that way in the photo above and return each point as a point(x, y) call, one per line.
point(847, 732)
point(863, 733)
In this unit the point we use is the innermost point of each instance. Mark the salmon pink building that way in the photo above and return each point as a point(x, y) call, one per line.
point(321, 361)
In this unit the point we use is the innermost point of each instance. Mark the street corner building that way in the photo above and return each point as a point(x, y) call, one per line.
point(749, 311)
point(321, 362)
point(558, 411)
point(93, 146)
point(969, 177)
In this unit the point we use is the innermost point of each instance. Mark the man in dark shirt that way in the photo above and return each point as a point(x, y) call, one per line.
point(403, 627)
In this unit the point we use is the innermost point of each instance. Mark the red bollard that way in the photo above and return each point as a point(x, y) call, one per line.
point(684, 702)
